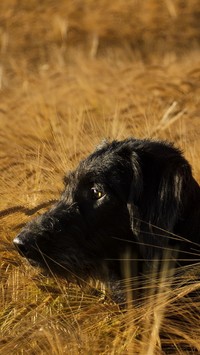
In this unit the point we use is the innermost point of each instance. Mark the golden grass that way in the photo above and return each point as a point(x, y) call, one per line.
point(71, 74)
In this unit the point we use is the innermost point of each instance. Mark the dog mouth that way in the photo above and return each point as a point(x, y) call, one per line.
point(34, 263)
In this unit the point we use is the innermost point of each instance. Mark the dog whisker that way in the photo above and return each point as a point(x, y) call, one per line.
point(159, 247)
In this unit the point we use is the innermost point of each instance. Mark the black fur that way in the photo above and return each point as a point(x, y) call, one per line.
point(131, 197)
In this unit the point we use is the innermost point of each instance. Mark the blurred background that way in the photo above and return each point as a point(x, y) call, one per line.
point(109, 68)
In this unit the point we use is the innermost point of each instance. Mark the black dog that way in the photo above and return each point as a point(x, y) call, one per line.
point(134, 198)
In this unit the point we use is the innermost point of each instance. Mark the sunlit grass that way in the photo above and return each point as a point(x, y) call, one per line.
point(67, 82)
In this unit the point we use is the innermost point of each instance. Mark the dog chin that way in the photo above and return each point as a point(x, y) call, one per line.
point(45, 269)
point(42, 269)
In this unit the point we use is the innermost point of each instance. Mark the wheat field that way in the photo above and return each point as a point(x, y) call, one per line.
point(72, 73)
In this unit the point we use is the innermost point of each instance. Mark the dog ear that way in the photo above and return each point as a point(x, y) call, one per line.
point(158, 201)
point(165, 183)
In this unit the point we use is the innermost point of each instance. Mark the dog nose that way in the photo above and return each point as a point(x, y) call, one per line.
point(20, 245)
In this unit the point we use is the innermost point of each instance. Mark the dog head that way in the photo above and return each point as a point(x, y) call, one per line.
point(126, 196)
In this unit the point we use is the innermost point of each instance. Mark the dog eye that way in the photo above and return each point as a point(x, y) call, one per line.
point(96, 193)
